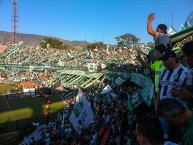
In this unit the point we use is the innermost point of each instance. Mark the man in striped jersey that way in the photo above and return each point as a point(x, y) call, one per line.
point(187, 91)
point(171, 78)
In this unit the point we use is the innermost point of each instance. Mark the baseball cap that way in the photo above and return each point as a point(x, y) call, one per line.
point(168, 54)
point(162, 27)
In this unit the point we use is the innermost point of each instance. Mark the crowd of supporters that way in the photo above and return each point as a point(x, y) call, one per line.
point(113, 123)
point(113, 120)
point(36, 55)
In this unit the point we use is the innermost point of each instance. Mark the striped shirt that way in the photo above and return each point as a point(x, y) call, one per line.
point(169, 79)
point(189, 80)
point(189, 84)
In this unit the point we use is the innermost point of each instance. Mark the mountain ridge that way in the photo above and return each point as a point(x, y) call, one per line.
point(35, 39)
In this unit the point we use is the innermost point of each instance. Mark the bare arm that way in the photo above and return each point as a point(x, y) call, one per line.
point(150, 30)
point(144, 63)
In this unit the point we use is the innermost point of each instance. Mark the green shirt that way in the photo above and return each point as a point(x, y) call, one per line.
point(187, 132)
point(157, 67)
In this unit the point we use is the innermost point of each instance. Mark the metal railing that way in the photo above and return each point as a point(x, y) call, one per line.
point(5, 97)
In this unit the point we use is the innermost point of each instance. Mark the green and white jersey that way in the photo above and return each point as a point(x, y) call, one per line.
point(172, 79)
point(189, 80)
point(189, 84)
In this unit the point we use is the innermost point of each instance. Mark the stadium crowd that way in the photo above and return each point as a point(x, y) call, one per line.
point(167, 121)
point(115, 122)
point(112, 120)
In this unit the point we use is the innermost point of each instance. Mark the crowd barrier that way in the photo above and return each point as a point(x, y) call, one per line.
point(21, 124)
point(6, 97)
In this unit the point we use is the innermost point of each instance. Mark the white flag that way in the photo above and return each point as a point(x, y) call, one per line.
point(81, 112)
point(106, 89)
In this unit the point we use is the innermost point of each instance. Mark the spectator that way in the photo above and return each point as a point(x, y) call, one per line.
point(144, 132)
point(173, 76)
point(46, 115)
point(49, 101)
point(47, 106)
point(175, 113)
point(160, 35)
point(46, 98)
point(157, 66)
point(187, 91)
point(149, 132)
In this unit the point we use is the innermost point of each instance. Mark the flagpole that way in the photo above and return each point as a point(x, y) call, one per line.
point(172, 19)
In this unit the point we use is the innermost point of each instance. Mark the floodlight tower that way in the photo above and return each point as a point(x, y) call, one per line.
point(14, 21)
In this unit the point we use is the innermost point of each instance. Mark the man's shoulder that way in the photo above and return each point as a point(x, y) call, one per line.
point(184, 68)
point(169, 143)
point(158, 63)
point(165, 70)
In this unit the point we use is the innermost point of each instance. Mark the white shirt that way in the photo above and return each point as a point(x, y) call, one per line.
point(162, 38)
point(172, 79)
point(169, 143)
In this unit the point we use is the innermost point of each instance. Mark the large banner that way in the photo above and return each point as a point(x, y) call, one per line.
point(82, 112)
point(134, 101)
point(138, 79)
point(29, 92)
point(146, 94)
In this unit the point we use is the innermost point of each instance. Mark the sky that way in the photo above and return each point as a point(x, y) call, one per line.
point(93, 20)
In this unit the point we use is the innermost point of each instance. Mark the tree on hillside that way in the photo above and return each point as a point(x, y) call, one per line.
point(127, 40)
point(96, 45)
point(51, 42)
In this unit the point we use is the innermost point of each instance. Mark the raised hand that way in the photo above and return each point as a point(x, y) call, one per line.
point(151, 17)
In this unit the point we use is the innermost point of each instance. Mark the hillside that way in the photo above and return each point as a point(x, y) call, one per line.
point(33, 39)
